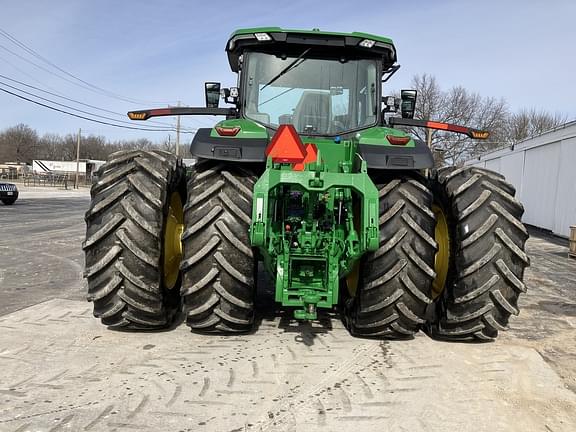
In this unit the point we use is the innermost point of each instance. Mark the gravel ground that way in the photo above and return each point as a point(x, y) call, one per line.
point(61, 370)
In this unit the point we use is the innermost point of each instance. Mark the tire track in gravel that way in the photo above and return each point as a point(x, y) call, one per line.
point(286, 406)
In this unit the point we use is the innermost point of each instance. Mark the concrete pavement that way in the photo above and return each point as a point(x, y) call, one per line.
point(61, 370)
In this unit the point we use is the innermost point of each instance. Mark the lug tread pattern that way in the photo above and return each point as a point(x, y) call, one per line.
point(490, 254)
point(218, 267)
point(123, 245)
point(396, 280)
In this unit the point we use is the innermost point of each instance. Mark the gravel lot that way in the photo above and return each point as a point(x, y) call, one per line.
point(61, 370)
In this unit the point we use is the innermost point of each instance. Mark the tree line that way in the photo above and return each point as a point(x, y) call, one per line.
point(21, 143)
point(457, 105)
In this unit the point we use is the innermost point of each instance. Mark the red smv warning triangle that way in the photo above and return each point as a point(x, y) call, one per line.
point(311, 156)
point(286, 146)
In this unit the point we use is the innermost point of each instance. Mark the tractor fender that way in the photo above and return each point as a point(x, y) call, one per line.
point(397, 158)
point(228, 149)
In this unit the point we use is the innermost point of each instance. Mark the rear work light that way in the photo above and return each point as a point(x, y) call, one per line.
point(263, 37)
point(396, 140)
point(227, 131)
point(367, 43)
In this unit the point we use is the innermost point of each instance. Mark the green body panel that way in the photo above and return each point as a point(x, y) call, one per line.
point(377, 136)
point(311, 226)
point(306, 228)
point(281, 30)
point(337, 157)
point(248, 129)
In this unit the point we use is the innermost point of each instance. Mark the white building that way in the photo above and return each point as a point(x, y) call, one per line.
point(86, 167)
point(543, 170)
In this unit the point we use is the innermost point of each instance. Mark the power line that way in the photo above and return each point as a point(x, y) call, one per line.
point(80, 116)
point(86, 84)
point(81, 83)
point(64, 97)
point(23, 72)
point(69, 107)
point(75, 101)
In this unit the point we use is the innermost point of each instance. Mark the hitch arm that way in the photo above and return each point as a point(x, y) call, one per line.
point(177, 111)
point(470, 132)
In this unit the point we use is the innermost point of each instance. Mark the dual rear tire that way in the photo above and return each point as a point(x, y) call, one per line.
point(477, 269)
point(126, 249)
point(456, 272)
point(392, 294)
point(487, 253)
point(135, 234)
point(219, 265)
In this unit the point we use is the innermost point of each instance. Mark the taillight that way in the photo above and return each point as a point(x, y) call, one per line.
point(396, 140)
point(227, 131)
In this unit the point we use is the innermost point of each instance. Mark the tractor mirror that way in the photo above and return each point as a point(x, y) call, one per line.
point(212, 90)
point(408, 105)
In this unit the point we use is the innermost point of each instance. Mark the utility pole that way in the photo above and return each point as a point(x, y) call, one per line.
point(177, 152)
point(77, 159)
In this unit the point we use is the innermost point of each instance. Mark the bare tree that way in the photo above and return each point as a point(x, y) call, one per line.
point(530, 122)
point(94, 147)
point(459, 106)
point(49, 147)
point(19, 143)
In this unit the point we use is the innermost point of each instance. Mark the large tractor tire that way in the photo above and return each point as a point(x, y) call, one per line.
point(395, 282)
point(219, 264)
point(486, 259)
point(132, 246)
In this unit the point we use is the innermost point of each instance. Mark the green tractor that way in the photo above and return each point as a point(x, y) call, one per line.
point(309, 178)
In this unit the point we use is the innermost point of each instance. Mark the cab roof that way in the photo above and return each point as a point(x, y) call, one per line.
point(331, 44)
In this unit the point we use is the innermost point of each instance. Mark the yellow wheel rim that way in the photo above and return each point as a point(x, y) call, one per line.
point(442, 259)
point(172, 241)
point(352, 279)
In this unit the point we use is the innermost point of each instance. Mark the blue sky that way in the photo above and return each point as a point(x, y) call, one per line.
point(162, 52)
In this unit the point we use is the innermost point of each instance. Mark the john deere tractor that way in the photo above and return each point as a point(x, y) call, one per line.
point(308, 176)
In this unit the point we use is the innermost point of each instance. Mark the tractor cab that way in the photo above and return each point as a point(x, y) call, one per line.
point(324, 84)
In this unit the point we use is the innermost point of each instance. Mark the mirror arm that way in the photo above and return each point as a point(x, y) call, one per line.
point(387, 74)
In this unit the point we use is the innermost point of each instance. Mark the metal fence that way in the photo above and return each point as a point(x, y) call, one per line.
point(9, 174)
point(63, 181)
